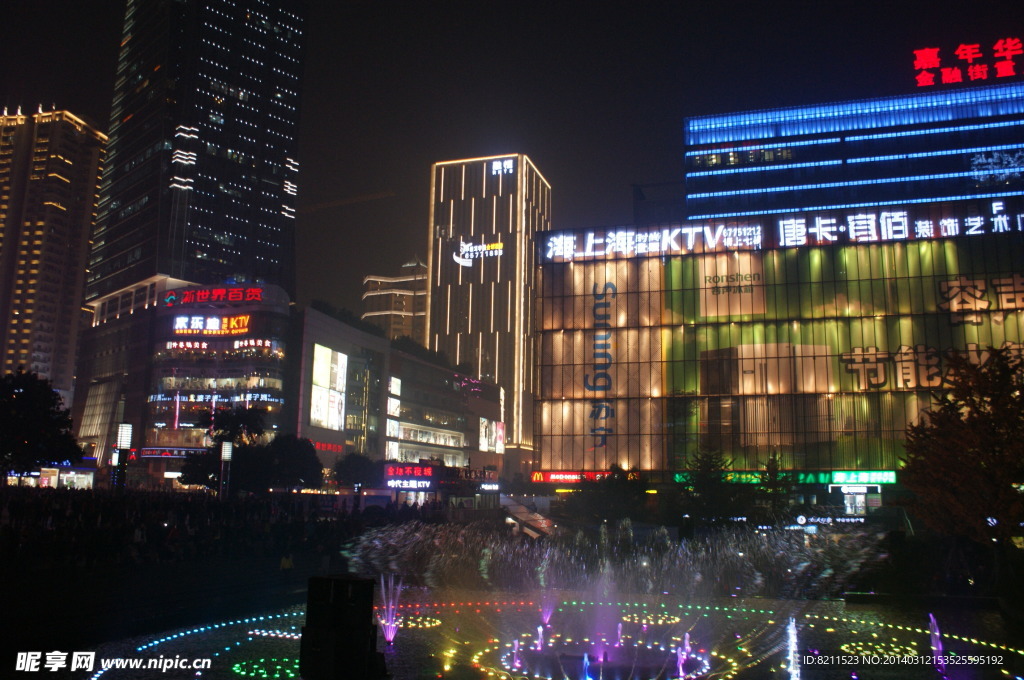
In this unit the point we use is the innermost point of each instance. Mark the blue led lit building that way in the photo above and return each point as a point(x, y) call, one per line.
point(921, 148)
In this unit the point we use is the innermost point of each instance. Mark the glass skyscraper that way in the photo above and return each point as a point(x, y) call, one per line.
point(199, 189)
point(201, 174)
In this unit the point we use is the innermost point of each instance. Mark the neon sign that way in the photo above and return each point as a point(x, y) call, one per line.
point(190, 296)
point(969, 62)
point(842, 477)
point(506, 166)
point(408, 470)
point(914, 223)
point(568, 476)
point(412, 484)
point(212, 325)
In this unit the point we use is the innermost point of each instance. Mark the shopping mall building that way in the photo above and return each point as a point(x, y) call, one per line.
point(834, 257)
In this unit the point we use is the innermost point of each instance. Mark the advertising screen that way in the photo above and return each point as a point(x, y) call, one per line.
point(492, 436)
point(327, 402)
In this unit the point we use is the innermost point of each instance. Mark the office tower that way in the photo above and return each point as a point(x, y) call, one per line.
point(199, 184)
point(398, 304)
point(49, 174)
point(925, 147)
point(483, 215)
point(201, 176)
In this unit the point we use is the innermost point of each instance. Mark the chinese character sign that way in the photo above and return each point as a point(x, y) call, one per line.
point(968, 62)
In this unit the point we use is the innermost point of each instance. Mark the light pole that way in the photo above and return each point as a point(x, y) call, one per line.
point(119, 461)
point(226, 449)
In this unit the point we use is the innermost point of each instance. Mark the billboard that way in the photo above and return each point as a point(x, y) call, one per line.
point(327, 401)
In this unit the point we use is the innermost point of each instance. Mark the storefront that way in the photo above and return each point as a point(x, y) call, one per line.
point(813, 338)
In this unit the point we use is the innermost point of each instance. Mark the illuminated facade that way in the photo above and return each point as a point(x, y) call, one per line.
point(484, 213)
point(931, 146)
point(49, 173)
point(200, 182)
point(358, 395)
point(214, 348)
point(816, 338)
point(398, 304)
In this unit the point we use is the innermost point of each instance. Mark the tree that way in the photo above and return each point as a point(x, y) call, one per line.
point(284, 462)
point(294, 462)
point(355, 468)
point(965, 458)
point(35, 428)
point(618, 496)
point(239, 425)
point(776, 484)
point(710, 496)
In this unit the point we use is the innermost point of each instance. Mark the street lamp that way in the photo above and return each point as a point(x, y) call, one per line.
point(226, 449)
point(119, 461)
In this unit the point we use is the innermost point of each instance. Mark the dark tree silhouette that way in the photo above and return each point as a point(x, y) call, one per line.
point(776, 485)
point(239, 425)
point(35, 428)
point(355, 468)
point(709, 496)
point(965, 456)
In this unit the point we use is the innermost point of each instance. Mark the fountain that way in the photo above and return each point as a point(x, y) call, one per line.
point(935, 638)
point(619, 608)
point(792, 650)
point(388, 612)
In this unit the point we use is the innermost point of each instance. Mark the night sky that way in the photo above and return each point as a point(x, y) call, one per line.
point(594, 92)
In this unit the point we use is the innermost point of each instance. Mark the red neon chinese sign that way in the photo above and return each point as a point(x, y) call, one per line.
point(408, 470)
point(190, 296)
point(969, 62)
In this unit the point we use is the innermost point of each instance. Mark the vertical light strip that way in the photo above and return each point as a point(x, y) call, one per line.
point(492, 305)
point(448, 311)
point(432, 268)
point(480, 355)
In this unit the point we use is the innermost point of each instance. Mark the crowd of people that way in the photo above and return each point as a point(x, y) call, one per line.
point(90, 529)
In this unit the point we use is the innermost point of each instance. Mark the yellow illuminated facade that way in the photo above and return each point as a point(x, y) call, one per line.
point(484, 213)
point(49, 174)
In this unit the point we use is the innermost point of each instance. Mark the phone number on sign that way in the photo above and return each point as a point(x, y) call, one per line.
point(915, 660)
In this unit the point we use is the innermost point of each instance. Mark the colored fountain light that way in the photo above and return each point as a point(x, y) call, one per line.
point(390, 621)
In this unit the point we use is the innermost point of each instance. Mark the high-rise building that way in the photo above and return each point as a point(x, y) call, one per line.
point(924, 147)
point(484, 213)
point(199, 184)
point(201, 176)
point(843, 253)
point(398, 304)
point(49, 174)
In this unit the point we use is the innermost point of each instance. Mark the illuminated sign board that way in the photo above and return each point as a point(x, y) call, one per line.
point(489, 486)
point(492, 436)
point(568, 476)
point(212, 325)
point(327, 446)
point(842, 477)
point(191, 296)
point(408, 470)
point(327, 395)
point(475, 251)
point(968, 62)
point(410, 484)
point(505, 166)
point(860, 226)
point(187, 344)
point(409, 477)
